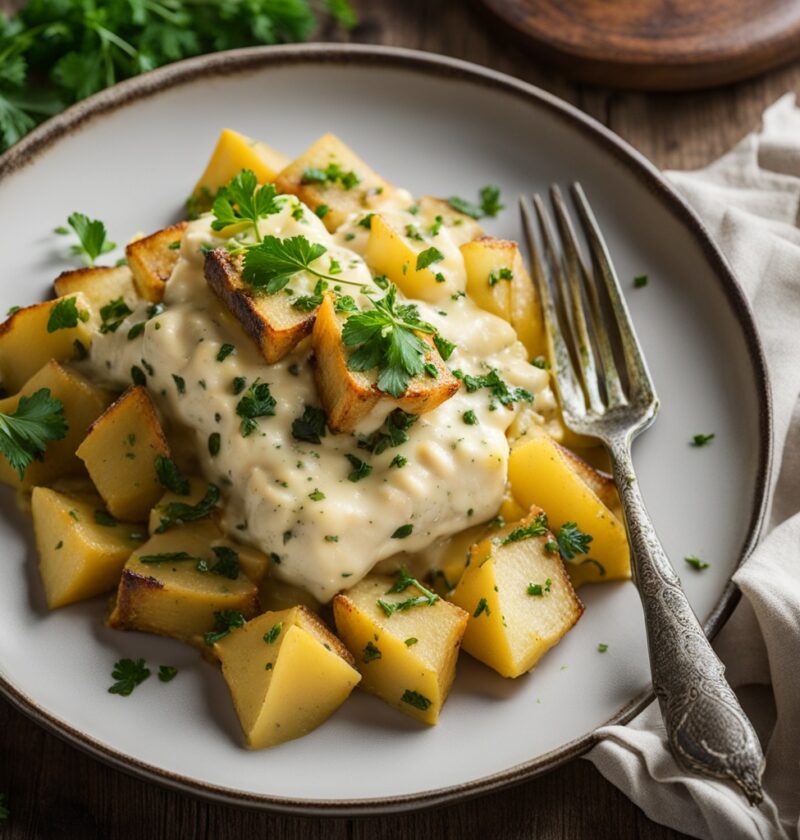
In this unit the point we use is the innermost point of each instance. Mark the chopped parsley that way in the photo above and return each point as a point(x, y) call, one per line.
point(444, 346)
point(366, 221)
point(483, 607)
point(227, 564)
point(696, 562)
point(178, 513)
point(500, 274)
point(393, 432)
point(371, 653)
point(26, 433)
point(361, 469)
point(497, 387)
point(257, 402)
point(322, 211)
point(271, 636)
point(537, 528)
point(402, 532)
point(541, 363)
point(640, 281)
point(167, 673)
point(310, 427)
point(572, 541)
point(180, 383)
point(470, 418)
point(539, 589)
point(489, 205)
point(214, 443)
point(105, 519)
point(428, 257)
point(243, 201)
point(224, 622)
point(128, 674)
point(167, 557)
point(602, 648)
point(169, 476)
point(415, 699)
point(398, 461)
point(410, 641)
point(404, 581)
point(65, 315)
point(330, 175)
point(317, 495)
point(224, 352)
point(113, 314)
point(702, 440)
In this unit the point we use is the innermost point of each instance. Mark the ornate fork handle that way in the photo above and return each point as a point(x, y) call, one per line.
point(707, 729)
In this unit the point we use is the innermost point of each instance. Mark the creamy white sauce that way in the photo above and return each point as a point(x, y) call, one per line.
point(455, 473)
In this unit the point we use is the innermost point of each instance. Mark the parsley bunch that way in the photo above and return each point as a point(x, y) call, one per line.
point(55, 52)
point(26, 433)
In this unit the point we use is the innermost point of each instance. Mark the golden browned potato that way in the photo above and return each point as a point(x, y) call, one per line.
point(81, 548)
point(348, 395)
point(83, 403)
point(407, 657)
point(120, 451)
point(100, 285)
point(330, 174)
point(518, 595)
point(287, 674)
point(177, 585)
point(56, 329)
point(270, 320)
point(152, 260)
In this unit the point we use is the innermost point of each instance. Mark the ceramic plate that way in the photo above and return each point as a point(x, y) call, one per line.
point(440, 126)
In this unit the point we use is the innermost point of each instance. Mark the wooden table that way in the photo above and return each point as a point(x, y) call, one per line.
point(55, 791)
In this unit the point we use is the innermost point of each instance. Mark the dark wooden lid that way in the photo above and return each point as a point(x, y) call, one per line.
point(657, 44)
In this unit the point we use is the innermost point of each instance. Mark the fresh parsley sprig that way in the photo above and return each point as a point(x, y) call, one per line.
point(489, 203)
point(26, 433)
point(242, 200)
point(92, 236)
point(128, 674)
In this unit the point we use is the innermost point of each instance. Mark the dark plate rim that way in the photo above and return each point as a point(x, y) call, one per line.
point(252, 59)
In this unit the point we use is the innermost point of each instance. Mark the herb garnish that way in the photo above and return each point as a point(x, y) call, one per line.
point(105, 519)
point(602, 648)
point(178, 513)
point(169, 476)
point(224, 352)
point(414, 698)
point(428, 257)
point(404, 581)
point(91, 233)
point(386, 337)
point(402, 532)
point(696, 562)
point(227, 564)
point(500, 274)
point(310, 427)
point(371, 653)
point(539, 589)
point(537, 528)
point(702, 440)
point(128, 674)
point(180, 383)
point(167, 673)
point(224, 622)
point(272, 634)
point(214, 443)
point(113, 314)
point(242, 200)
point(393, 432)
point(572, 541)
point(317, 495)
point(332, 174)
point(498, 388)
point(65, 315)
point(167, 557)
point(470, 418)
point(361, 469)
point(640, 281)
point(26, 433)
point(257, 402)
point(483, 607)
point(489, 203)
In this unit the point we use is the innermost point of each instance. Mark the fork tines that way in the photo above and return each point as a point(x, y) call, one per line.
point(597, 360)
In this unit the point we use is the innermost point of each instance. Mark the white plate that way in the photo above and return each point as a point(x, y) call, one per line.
point(434, 125)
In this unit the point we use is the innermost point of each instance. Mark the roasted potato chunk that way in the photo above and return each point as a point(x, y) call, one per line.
point(329, 173)
point(518, 595)
point(287, 674)
point(270, 320)
point(498, 281)
point(173, 585)
point(348, 395)
point(395, 255)
point(83, 403)
point(82, 549)
point(406, 657)
point(233, 153)
point(120, 451)
point(100, 286)
point(542, 474)
point(152, 260)
point(35, 334)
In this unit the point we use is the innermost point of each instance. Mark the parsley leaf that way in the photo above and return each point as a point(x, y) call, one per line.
point(696, 562)
point(92, 235)
point(170, 477)
point(65, 315)
point(393, 432)
point(310, 426)
point(415, 699)
point(428, 257)
point(167, 673)
point(386, 337)
point(332, 174)
point(498, 388)
point(537, 528)
point(113, 314)
point(489, 203)
point(224, 622)
point(572, 541)
point(25, 434)
point(227, 564)
point(128, 674)
point(242, 200)
point(371, 652)
point(271, 264)
point(257, 402)
point(178, 513)
point(702, 440)
point(361, 469)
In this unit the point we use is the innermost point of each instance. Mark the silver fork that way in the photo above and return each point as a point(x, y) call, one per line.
point(606, 392)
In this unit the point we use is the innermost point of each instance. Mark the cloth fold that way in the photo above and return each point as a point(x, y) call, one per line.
point(749, 201)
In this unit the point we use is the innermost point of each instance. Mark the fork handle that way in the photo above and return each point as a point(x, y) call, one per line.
point(707, 730)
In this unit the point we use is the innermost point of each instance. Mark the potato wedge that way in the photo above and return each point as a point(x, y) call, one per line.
point(100, 286)
point(163, 591)
point(348, 396)
point(233, 153)
point(152, 260)
point(34, 335)
point(81, 548)
point(120, 451)
point(83, 403)
point(519, 598)
point(287, 674)
point(270, 320)
point(498, 281)
point(541, 474)
point(408, 658)
point(353, 188)
point(395, 255)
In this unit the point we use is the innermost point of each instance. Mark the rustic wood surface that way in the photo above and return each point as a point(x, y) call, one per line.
point(653, 45)
point(55, 791)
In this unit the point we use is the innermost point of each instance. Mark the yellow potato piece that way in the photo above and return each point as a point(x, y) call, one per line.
point(26, 345)
point(408, 658)
point(81, 550)
point(364, 190)
point(498, 281)
point(233, 153)
point(83, 404)
point(153, 258)
point(287, 674)
point(511, 628)
point(120, 452)
point(389, 252)
point(541, 474)
point(170, 596)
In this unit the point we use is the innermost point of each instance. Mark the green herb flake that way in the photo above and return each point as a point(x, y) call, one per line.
point(500, 274)
point(489, 198)
point(105, 519)
point(65, 315)
point(428, 257)
point(402, 532)
point(640, 281)
point(26, 433)
point(483, 607)
point(399, 461)
point(92, 237)
point(224, 622)
point(470, 418)
point(224, 352)
point(410, 641)
point(602, 648)
point(257, 402)
point(361, 469)
point(317, 495)
point(537, 528)
point(310, 427)
point(271, 636)
point(113, 314)
point(169, 476)
point(371, 653)
point(696, 562)
point(214, 443)
point(180, 383)
point(128, 674)
point(572, 541)
point(167, 673)
point(179, 513)
point(415, 699)
point(702, 440)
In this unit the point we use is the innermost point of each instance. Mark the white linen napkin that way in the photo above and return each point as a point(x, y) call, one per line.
point(750, 202)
